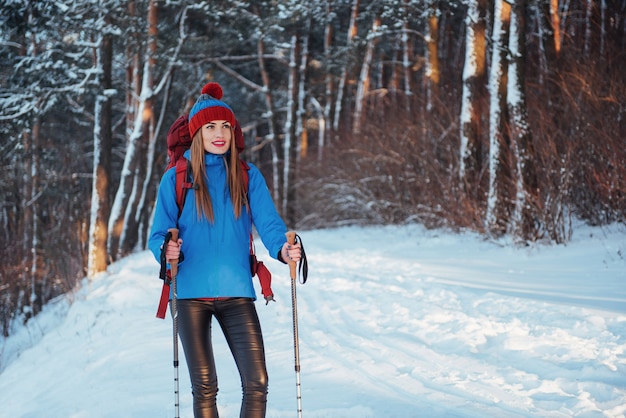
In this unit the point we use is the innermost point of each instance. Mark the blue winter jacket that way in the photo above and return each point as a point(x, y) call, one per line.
point(216, 255)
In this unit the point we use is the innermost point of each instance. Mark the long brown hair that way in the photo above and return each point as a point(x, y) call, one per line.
point(234, 177)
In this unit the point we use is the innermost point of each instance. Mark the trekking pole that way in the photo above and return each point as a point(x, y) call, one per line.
point(291, 239)
point(174, 272)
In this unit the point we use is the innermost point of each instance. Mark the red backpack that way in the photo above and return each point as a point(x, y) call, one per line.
point(178, 141)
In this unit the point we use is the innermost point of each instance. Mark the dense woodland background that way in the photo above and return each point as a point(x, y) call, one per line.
point(503, 117)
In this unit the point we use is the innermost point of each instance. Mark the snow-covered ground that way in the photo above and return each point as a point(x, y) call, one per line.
point(394, 322)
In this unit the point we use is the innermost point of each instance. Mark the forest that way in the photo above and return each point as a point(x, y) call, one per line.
point(505, 117)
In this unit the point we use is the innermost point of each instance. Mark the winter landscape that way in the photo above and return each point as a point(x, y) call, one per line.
point(394, 321)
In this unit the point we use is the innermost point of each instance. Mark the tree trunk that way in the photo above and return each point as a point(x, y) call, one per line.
point(27, 222)
point(501, 189)
point(34, 300)
point(364, 79)
point(328, 38)
point(277, 152)
point(432, 40)
point(352, 32)
point(29, 176)
point(301, 131)
point(470, 163)
point(555, 19)
point(290, 121)
point(525, 220)
point(588, 32)
point(406, 58)
point(97, 258)
point(293, 151)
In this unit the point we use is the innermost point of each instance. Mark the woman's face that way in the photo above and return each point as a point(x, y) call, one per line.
point(216, 136)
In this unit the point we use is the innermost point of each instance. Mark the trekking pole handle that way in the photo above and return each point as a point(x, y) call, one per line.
point(173, 263)
point(291, 239)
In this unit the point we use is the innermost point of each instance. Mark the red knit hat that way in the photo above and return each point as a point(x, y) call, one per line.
point(209, 107)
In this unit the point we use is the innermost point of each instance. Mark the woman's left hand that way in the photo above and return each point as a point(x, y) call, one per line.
point(291, 253)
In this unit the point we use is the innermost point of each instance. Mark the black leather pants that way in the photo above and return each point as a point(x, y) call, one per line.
point(239, 322)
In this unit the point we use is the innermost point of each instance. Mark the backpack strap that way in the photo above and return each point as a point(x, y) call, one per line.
point(182, 182)
point(166, 276)
point(246, 176)
point(165, 295)
point(256, 266)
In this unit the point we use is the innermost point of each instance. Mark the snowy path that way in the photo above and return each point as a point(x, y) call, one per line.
point(394, 322)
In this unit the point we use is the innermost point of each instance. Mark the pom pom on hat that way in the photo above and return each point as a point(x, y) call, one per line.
point(209, 107)
point(214, 90)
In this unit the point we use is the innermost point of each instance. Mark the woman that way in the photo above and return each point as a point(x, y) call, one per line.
point(214, 278)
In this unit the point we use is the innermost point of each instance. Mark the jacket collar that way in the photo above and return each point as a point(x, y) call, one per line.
point(209, 159)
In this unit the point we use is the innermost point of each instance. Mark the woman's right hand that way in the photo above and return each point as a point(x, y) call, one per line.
point(172, 252)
